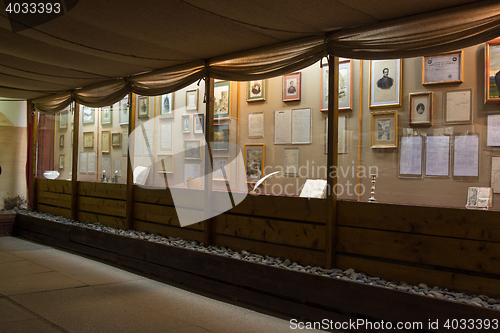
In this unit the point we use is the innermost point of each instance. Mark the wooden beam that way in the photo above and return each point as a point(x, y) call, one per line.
point(74, 174)
point(209, 125)
point(33, 170)
point(130, 171)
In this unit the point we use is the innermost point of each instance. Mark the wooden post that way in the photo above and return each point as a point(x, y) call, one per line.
point(130, 171)
point(74, 169)
point(332, 160)
point(209, 125)
point(33, 157)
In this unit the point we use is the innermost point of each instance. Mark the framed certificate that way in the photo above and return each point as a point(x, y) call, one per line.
point(443, 68)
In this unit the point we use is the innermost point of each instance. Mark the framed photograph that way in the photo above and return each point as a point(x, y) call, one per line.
point(192, 149)
point(492, 75)
point(106, 115)
point(221, 168)
point(165, 163)
point(385, 83)
point(458, 106)
point(88, 139)
point(292, 87)
point(106, 142)
point(116, 139)
point(443, 68)
point(198, 123)
point(124, 110)
point(63, 120)
point(167, 106)
point(143, 107)
point(88, 115)
point(495, 174)
point(256, 90)
point(384, 129)
point(61, 141)
point(345, 85)
point(222, 99)
point(254, 162)
point(186, 123)
point(61, 161)
point(411, 156)
point(192, 100)
point(221, 137)
point(421, 109)
point(291, 161)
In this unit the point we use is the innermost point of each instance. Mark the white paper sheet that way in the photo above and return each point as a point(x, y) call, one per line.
point(283, 127)
point(117, 166)
point(466, 156)
point(458, 106)
point(256, 125)
point(493, 137)
point(82, 164)
point(91, 163)
point(166, 136)
point(410, 159)
point(291, 161)
point(437, 156)
point(191, 170)
point(301, 126)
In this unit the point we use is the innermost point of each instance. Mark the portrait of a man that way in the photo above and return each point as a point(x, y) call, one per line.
point(291, 88)
point(385, 82)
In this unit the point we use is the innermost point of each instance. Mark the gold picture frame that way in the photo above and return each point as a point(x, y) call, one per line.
point(143, 107)
point(384, 129)
point(421, 109)
point(61, 161)
point(106, 142)
point(116, 139)
point(447, 67)
point(385, 83)
point(254, 162)
point(492, 72)
point(61, 141)
point(88, 139)
point(345, 85)
point(256, 90)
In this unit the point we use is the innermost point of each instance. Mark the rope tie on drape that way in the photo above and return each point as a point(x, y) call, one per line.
point(205, 75)
point(325, 51)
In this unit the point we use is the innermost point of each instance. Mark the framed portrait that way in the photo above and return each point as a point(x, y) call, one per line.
point(292, 87)
point(385, 83)
point(106, 115)
point(124, 110)
point(106, 141)
point(384, 129)
point(345, 85)
point(192, 100)
point(63, 120)
point(167, 106)
point(492, 75)
point(221, 168)
point(192, 149)
point(254, 162)
point(256, 90)
point(198, 123)
point(443, 68)
point(421, 109)
point(165, 163)
point(186, 123)
point(222, 100)
point(61, 141)
point(143, 107)
point(495, 174)
point(458, 106)
point(116, 139)
point(61, 161)
point(88, 139)
point(221, 137)
point(87, 115)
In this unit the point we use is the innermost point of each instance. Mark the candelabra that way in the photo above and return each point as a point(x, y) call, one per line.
point(372, 198)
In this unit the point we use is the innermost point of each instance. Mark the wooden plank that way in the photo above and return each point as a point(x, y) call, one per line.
point(393, 271)
point(54, 199)
point(55, 185)
point(302, 256)
point(167, 230)
point(109, 221)
point(160, 214)
point(162, 196)
point(102, 206)
point(454, 253)
point(64, 212)
point(42, 226)
point(270, 230)
point(103, 190)
point(450, 222)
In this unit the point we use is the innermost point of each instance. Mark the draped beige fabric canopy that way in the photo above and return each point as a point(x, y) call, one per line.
point(426, 33)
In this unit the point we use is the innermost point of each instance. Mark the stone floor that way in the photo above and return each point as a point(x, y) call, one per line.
point(43, 289)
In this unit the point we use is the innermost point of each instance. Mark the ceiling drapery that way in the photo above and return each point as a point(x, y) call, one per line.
point(422, 35)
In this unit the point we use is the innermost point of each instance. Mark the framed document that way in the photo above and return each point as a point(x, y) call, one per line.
point(143, 107)
point(411, 151)
point(198, 123)
point(283, 127)
point(254, 162)
point(466, 157)
point(167, 106)
point(384, 129)
point(192, 149)
point(61, 141)
point(458, 106)
point(221, 137)
point(106, 142)
point(63, 120)
point(88, 115)
point(385, 83)
point(123, 115)
point(495, 174)
point(493, 133)
point(221, 168)
point(186, 123)
point(222, 100)
point(291, 161)
point(256, 125)
point(437, 156)
point(443, 68)
point(192, 100)
point(82, 163)
point(116, 139)
point(345, 85)
point(106, 115)
point(61, 161)
point(88, 139)
point(165, 163)
point(291, 87)
point(492, 74)
point(301, 126)
point(256, 90)
point(421, 109)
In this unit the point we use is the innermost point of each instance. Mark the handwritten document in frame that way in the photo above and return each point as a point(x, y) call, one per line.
point(458, 107)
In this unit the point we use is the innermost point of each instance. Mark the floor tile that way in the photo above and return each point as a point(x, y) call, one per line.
point(39, 282)
point(34, 325)
point(7, 257)
point(12, 244)
point(11, 312)
point(20, 268)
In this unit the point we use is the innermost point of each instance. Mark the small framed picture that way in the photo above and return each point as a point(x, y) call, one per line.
point(167, 106)
point(61, 161)
point(116, 139)
point(63, 120)
point(186, 123)
point(106, 142)
point(345, 85)
point(143, 107)
point(254, 162)
point(385, 83)
point(256, 90)
point(421, 109)
point(88, 139)
point(384, 129)
point(165, 163)
point(198, 123)
point(492, 75)
point(222, 100)
point(61, 141)
point(106, 115)
point(192, 149)
point(443, 68)
point(192, 100)
point(88, 115)
point(292, 87)
point(221, 137)
point(221, 168)
point(458, 106)
point(124, 111)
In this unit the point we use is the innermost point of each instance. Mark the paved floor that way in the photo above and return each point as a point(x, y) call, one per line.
point(43, 289)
